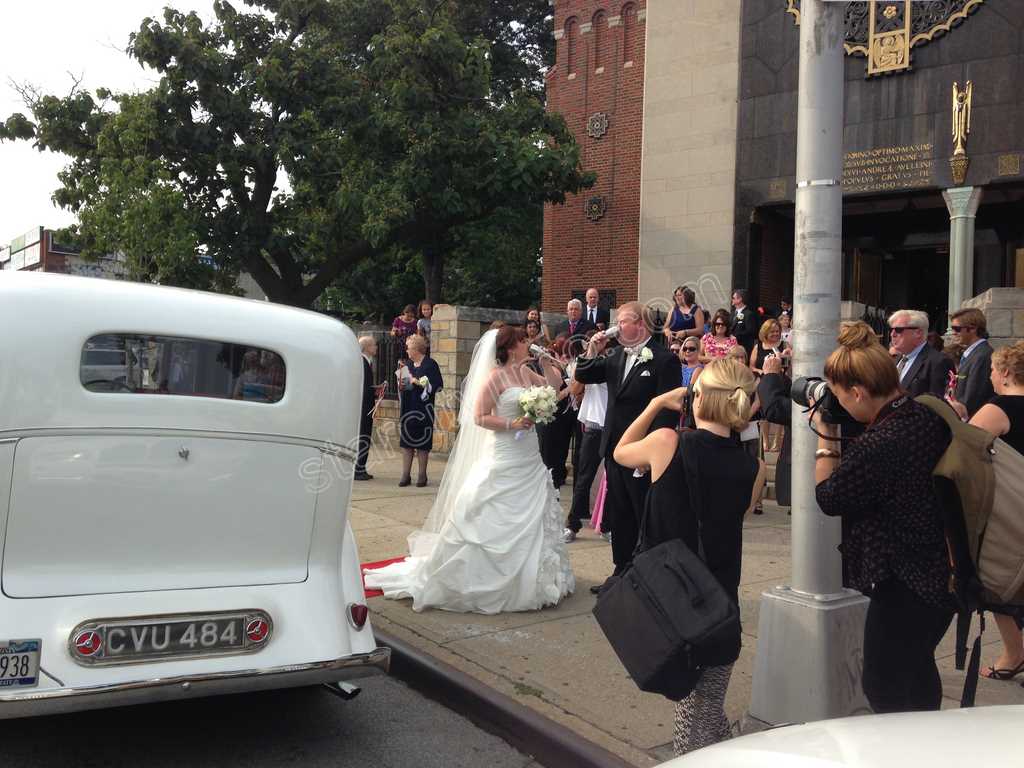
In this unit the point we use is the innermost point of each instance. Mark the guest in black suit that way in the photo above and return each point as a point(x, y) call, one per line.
point(973, 379)
point(637, 371)
point(922, 368)
point(744, 322)
point(368, 346)
point(785, 307)
point(596, 315)
point(578, 326)
point(556, 436)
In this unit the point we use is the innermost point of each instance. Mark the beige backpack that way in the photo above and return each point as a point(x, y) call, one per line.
point(980, 483)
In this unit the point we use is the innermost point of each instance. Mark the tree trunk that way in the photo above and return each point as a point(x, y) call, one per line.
point(433, 274)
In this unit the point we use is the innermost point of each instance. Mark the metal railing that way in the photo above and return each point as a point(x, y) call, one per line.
point(389, 351)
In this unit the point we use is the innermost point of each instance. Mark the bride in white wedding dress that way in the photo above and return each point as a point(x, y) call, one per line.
point(492, 542)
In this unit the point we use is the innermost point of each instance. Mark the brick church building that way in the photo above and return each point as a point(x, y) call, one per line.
point(686, 110)
point(597, 84)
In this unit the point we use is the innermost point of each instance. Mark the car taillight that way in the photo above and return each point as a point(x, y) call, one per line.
point(357, 614)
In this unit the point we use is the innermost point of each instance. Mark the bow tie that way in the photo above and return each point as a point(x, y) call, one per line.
point(634, 350)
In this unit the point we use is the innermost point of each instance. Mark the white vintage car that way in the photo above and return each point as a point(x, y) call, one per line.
point(180, 529)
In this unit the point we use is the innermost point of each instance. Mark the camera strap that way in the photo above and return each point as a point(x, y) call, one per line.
point(810, 423)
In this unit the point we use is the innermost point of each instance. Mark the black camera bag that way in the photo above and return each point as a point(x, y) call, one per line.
point(667, 617)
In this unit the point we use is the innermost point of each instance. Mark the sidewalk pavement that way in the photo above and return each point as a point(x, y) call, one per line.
point(556, 661)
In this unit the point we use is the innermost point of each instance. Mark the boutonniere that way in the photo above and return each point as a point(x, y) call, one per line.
point(646, 355)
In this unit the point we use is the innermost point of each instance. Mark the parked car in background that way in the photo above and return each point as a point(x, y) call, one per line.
point(104, 369)
point(175, 474)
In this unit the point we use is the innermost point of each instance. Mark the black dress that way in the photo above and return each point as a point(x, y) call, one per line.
point(763, 352)
point(1013, 407)
point(727, 474)
point(417, 415)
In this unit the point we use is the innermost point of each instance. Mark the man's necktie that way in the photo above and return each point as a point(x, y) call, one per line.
point(901, 365)
point(593, 317)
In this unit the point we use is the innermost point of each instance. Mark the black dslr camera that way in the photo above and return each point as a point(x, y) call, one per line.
point(812, 389)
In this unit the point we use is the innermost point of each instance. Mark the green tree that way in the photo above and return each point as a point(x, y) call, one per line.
point(397, 126)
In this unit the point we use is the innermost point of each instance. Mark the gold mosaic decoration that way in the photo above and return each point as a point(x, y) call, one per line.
point(885, 31)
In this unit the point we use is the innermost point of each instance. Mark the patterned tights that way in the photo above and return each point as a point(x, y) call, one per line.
point(700, 718)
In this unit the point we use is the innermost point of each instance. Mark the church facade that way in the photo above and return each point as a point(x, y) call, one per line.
point(700, 190)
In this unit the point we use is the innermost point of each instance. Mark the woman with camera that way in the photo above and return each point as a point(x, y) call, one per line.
point(729, 483)
point(894, 546)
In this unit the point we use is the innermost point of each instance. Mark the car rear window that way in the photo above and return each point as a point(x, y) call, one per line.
point(171, 365)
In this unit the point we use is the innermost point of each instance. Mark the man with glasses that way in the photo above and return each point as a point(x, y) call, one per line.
point(922, 368)
point(973, 380)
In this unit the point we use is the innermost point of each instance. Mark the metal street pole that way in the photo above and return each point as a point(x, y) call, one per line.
point(810, 633)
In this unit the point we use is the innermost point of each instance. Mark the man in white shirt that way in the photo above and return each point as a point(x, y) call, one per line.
point(591, 415)
point(922, 368)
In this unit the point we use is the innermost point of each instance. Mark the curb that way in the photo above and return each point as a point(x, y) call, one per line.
point(551, 744)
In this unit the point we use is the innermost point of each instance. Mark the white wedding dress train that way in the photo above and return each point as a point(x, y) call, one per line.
point(500, 546)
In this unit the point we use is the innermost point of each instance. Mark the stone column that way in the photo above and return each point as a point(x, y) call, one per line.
point(962, 203)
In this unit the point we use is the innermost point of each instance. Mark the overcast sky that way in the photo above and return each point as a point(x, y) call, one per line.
point(43, 41)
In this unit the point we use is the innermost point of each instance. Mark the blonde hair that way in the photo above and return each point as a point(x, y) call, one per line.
point(739, 352)
point(1010, 360)
point(725, 392)
point(766, 328)
point(416, 342)
point(861, 360)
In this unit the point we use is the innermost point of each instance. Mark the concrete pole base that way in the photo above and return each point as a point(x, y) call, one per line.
point(810, 654)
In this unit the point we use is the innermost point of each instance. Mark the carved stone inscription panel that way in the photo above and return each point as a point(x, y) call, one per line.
point(883, 169)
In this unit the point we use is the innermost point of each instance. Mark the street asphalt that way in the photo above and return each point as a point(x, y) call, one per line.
point(387, 726)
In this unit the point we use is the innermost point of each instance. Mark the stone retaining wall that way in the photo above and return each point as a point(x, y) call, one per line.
point(1004, 314)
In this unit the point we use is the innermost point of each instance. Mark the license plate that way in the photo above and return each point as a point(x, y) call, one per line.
point(19, 663)
point(132, 640)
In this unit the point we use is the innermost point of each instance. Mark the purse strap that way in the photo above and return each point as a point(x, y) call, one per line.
point(691, 469)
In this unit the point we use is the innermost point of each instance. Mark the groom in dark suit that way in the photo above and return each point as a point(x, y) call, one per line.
point(638, 370)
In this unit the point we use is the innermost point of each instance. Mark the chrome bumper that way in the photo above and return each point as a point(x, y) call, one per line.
point(36, 701)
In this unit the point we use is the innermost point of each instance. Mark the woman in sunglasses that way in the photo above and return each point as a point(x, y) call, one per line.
point(689, 357)
point(718, 341)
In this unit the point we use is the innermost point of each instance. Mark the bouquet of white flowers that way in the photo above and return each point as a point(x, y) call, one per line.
point(538, 404)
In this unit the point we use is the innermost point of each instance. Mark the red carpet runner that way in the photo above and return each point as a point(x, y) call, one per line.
point(373, 567)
